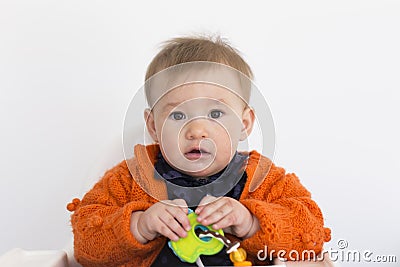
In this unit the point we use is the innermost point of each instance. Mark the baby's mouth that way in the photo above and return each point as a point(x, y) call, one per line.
point(196, 153)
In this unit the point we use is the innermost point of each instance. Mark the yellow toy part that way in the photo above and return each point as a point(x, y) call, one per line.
point(238, 257)
point(243, 263)
point(188, 249)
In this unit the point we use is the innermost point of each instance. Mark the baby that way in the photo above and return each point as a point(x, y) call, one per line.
point(198, 91)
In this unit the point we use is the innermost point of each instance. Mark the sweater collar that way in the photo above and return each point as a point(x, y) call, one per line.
point(146, 155)
point(235, 167)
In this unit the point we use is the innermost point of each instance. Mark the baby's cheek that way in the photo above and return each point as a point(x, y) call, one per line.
point(226, 142)
point(223, 156)
point(170, 135)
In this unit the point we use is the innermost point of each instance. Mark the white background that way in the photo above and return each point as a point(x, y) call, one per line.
point(329, 70)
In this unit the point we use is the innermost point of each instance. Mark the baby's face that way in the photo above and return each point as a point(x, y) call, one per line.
point(198, 127)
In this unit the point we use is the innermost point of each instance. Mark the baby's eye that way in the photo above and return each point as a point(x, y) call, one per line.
point(215, 114)
point(177, 115)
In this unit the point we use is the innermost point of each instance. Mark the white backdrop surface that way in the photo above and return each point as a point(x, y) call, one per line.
point(329, 70)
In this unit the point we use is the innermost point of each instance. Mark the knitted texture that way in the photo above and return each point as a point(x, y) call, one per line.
point(289, 219)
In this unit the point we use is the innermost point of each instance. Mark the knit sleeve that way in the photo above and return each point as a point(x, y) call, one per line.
point(101, 222)
point(289, 219)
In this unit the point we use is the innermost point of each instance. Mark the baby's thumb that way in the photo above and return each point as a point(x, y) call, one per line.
point(207, 199)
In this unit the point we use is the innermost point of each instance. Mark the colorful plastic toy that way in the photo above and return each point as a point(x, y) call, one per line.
point(203, 240)
point(189, 249)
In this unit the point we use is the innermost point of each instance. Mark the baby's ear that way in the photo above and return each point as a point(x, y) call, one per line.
point(150, 123)
point(248, 122)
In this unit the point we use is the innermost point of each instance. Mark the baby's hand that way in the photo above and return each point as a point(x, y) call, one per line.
point(167, 218)
point(228, 214)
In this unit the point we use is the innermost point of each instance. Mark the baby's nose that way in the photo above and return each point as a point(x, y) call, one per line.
point(196, 129)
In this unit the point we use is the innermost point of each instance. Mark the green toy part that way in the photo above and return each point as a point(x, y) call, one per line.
point(188, 249)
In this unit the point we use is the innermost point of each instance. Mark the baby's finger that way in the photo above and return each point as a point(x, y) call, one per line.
point(205, 201)
point(167, 232)
point(224, 222)
point(181, 217)
point(216, 215)
point(182, 204)
point(210, 209)
point(170, 222)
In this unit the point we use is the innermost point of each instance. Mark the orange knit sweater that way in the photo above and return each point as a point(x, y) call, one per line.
point(289, 219)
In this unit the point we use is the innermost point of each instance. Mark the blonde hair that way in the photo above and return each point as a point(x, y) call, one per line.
point(197, 48)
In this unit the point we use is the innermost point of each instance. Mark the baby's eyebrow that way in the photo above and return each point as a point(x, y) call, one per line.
point(174, 104)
